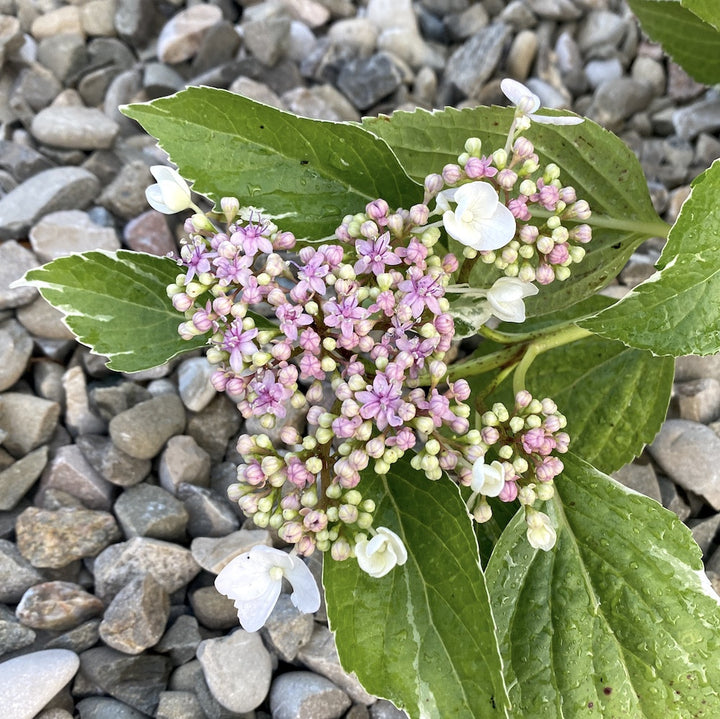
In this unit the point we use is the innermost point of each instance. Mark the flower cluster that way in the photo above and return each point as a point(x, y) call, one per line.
point(353, 333)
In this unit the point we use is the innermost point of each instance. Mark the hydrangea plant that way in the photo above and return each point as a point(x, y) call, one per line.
point(423, 287)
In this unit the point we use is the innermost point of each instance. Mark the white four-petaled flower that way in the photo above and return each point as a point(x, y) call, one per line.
point(487, 479)
point(527, 103)
point(253, 581)
point(379, 555)
point(480, 220)
point(170, 194)
point(506, 296)
point(540, 532)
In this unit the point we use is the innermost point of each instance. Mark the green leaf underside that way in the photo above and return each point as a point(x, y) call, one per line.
point(690, 42)
point(594, 161)
point(305, 173)
point(707, 10)
point(677, 311)
point(115, 303)
point(423, 635)
point(616, 621)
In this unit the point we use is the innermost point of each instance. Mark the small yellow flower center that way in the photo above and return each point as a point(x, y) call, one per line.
point(467, 216)
point(276, 573)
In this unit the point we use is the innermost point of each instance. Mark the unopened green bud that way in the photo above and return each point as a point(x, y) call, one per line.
point(473, 146)
point(333, 491)
point(309, 497)
point(517, 424)
point(309, 443)
point(391, 455)
point(384, 281)
point(313, 465)
point(532, 421)
point(505, 452)
point(261, 519)
point(553, 222)
point(500, 412)
point(429, 463)
point(381, 466)
point(260, 359)
point(352, 497)
point(430, 237)
point(267, 421)
point(368, 505)
point(346, 272)
point(329, 343)
point(424, 424)
point(324, 435)
point(528, 187)
point(469, 253)
point(248, 323)
point(562, 273)
point(276, 521)
point(364, 431)
point(535, 407)
point(326, 419)
point(552, 172)
point(381, 363)
point(432, 446)
point(576, 253)
point(482, 512)
point(265, 504)
point(499, 158)
point(527, 496)
point(364, 520)
point(489, 419)
point(463, 157)
point(545, 491)
point(263, 441)
point(311, 308)
point(520, 465)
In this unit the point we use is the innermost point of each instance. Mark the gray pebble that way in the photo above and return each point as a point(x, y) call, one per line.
point(304, 695)
point(15, 350)
point(689, 121)
point(237, 670)
point(210, 514)
point(17, 575)
point(366, 81)
point(35, 88)
point(61, 233)
point(136, 618)
point(15, 261)
point(29, 421)
point(57, 606)
point(21, 161)
point(473, 63)
point(322, 102)
point(135, 680)
point(357, 34)
point(56, 189)
point(320, 655)
point(704, 531)
point(212, 609)
point(183, 461)
point(79, 418)
point(213, 427)
point(383, 709)
point(81, 128)
point(671, 498)
point(699, 400)
point(194, 386)
point(599, 71)
point(43, 320)
point(29, 682)
point(148, 511)
point(522, 54)
point(142, 430)
point(266, 38)
point(212, 554)
point(287, 629)
point(13, 635)
point(600, 27)
point(182, 35)
point(71, 472)
point(125, 195)
point(111, 400)
point(690, 455)
point(616, 100)
point(17, 479)
point(179, 705)
point(56, 538)
point(78, 640)
point(693, 367)
point(112, 463)
point(181, 640)
point(106, 708)
point(171, 565)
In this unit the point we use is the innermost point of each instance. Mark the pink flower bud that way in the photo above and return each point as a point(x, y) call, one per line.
point(568, 195)
point(490, 435)
point(305, 546)
point(377, 209)
point(433, 184)
point(419, 214)
point(562, 440)
point(461, 390)
point(376, 447)
point(313, 414)
point(333, 254)
point(369, 229)
point(448, 460)
point(395, 224)
point(218, 381)
point(281, 351)
point(506, 179)
point(444, 324)
point(450, 264)
point(347, 513)
point(509, 492)
point(522, 399)
point(182, 302)
point(544, 274)
point(235, 386)
point(291, 532)
point(222, 305)
point(581, 233)
point(523, 148)
point(451, 174)
point(284, 241)
point(558, 254)
point(529, 234)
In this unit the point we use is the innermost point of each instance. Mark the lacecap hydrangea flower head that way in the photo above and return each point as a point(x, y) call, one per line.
point(353, 332)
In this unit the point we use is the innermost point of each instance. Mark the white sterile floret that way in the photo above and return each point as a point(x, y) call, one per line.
point(506, 296)
point(253, 581)
point(480, 220)
point(527, 102)
point(379, 555)
point(171, 193)
point(487, 480)
point(540, 532)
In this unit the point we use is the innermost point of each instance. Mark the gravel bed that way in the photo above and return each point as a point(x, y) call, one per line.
point(113, 515)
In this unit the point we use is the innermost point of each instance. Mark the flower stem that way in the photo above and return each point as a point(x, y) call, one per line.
point(543, 344)
point(465, 269)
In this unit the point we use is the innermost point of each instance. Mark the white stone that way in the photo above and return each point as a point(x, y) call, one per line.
point(30, 681)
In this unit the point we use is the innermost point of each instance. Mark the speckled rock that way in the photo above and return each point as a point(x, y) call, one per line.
point(183, 461)
point(13, 635)
point(17, 575)
point(57, 606)
point(112, 463)
point(181, 37)
point(148, 511)
point(56, 538)
point(304, 695)
point(136, 618)
point(15, 350)
point(15, 261)
point(28, 421)
point(20, 476)
point(181, 640)
point(172, 566)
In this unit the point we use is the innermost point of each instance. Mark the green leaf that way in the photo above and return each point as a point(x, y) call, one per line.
point(306, 173)
point(423, 635)
point(618, 620)
point(615, 398)
point(690, 42)
point(707, 10)
point(115, 303)
point(594, 161)
point(677, 311)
